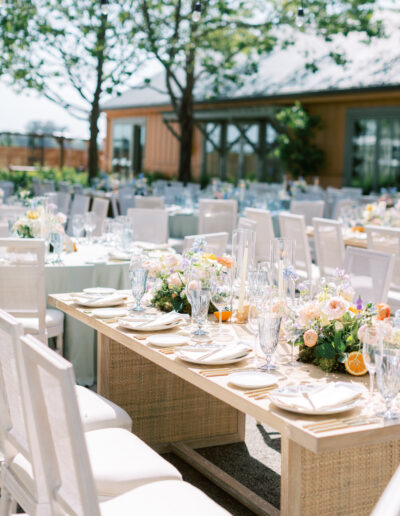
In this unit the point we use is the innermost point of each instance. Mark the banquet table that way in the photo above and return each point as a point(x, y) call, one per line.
point(350, 238)
point(174, 406)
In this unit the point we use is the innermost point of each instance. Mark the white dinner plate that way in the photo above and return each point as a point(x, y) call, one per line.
point(108, 313)
point(251, 379)
point(99, 291)
point(330, 410)
point(138, 326)
point(164, 341)
point(194, 360)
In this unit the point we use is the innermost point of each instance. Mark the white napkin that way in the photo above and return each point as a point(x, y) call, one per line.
point(330, 396)
point(115, 254)
point(99, 301)
point(165, 319)
point(220, 354)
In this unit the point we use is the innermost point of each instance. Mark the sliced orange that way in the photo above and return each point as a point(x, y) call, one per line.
point(225, 316)
point(358, 229)
point(354, 364)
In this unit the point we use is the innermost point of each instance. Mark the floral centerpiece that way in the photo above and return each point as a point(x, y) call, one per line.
point(333, 327)
point(378, 214)
point(36, 223)
point(169, 275)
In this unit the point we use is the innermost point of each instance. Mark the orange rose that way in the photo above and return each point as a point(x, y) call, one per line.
point(383, 311)
point(310, 338)
point(225, 261)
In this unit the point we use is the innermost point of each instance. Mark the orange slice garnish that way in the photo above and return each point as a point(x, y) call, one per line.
point(355, 365)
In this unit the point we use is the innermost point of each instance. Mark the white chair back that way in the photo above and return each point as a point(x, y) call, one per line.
point(22, 279)
point(4, 230)
point(386, 240)
point(64, 186)
point(216, 242)
point(48, 186)
point(79, 206)
point(264, 231)
point(114, 207)
point(217, 216)
point(370, 273)
point(352, 192)
point(309, 209)
point(149, 202)
point(329, 245)
point(18, 444)
point(57, 426)
point(245, 223)
point(149, 225)
point(294, 227)
point(100, 208)
point(63, 202)
point(389, 503)
point(341, 206)
point(126, 200)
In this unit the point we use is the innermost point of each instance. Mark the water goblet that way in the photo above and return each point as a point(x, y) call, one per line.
point(370, 343)
point(198, 293)
point(221, 297)
point(138, 279)
point(78, 224)
point(57, 241)
point(269, 325)
point(90, 224)
point(388, 377)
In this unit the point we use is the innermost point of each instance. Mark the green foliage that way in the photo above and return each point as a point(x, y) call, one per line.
point(299, 154)
point(23, 180)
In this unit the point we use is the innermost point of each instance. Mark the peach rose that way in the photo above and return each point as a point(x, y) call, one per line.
point(225, 261)
point(335, 308)
point(309, 312)
point(174, 280)
point(170, 260)
point(367, 334)
point(310, 338)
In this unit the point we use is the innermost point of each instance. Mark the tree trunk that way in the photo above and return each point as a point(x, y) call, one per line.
point(185, 149)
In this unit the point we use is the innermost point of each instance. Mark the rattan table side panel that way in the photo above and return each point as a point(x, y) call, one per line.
point(164, 408)
point(348, 482)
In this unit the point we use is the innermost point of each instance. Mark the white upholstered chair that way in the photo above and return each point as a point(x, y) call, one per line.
point(245, 223)
point(217, 216)
point(389, 503)
point(79, 206)
point(67, 455)
point(294, 227)
point(370, 273)
point(100, 208)
point(264, 231)
point(149, 202)
point(23, 288)
point(216, 242)
point(309, 209)
point(387, 240)
point(329, 245)
point(149, 225)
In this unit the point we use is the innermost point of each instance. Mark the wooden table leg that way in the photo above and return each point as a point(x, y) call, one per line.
point(345, 482)
point(164, 408)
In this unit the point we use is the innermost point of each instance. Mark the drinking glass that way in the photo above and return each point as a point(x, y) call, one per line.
point(282, 263)
point(258, 284)
point(90, 222)
point(388, 377)
point(269, 325)
point(198, 291)
point(108, 235)
point(78, 224)
point(255, 309)
point(293, 330)
point(138, 278)
point(371, 345)
point(221, 296)
point(57, 241)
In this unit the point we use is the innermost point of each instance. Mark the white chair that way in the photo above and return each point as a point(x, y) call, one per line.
point(23, 289)
point(216, 242)
point(309, 209)
point(149, 202)
point(294, 227)
point(264, 231)
point(217, 216)
point(79, 206)
point(149, 225)
point(64, 451)
point(4, 230)
point(370, 273)
point(64, 186)
point(63, 202)
point(341, 206)
point(245, 223)
point(352, 192)
point(387, 240)
point(389, 503)
point(100, 208)
point(114, 207)
point(329, 245)
point(48, 186)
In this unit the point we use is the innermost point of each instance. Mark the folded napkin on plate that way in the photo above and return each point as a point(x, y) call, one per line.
point(115, 254)
point(330, 396)
point(220, 354)
point(165, 319)
point(98, 301)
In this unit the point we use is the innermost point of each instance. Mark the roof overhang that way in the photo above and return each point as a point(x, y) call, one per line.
point(228, 114)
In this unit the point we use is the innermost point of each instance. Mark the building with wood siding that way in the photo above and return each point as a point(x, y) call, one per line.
point(358, 102)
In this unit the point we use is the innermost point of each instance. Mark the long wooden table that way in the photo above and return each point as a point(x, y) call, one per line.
point(350, 238)
point(340, 472)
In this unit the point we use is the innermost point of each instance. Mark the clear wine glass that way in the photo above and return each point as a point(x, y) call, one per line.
point(269, 324)
point(252, 323)
point(57, 241)
point(138, 278)
point(198, 292)
point(90, 224)
point(221, 297)
point(388, 377)
point(371, 345)
point(78, 224)
point(293, 330)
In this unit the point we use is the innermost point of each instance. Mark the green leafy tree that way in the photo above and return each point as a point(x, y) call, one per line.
point(88, 47)
point(226, 42)
point(296, 147)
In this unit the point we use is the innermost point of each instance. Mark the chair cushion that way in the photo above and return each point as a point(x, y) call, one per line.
point(98, 412)
point(167, 498)
point(54, 318)
point(121, 461)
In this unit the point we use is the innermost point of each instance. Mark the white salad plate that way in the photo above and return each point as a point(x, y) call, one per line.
point(164, 341)
point(251, 379)
point(99, 291)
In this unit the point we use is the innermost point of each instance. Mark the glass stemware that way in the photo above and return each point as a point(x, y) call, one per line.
point(221, 296)
point(138, 278)
point(269, 325)
point(78, 224)
point(370, 347)
point(90, 224)
point(388, 377)
point(57, 241)
point(293, 330)
point(198, 292)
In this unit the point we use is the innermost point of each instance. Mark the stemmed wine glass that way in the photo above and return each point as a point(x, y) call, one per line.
point(199, 288)
point(57, 241)
point(78, 224)
point(269, 325)
point(388, 377)
point(138, 277)
point(221, 297)
point(370, 343)
point(90, 224)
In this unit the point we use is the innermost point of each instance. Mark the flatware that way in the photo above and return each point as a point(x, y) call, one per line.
point(337, 424)
point(262, 391)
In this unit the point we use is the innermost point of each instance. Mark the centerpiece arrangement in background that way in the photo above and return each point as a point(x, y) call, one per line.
point(39, 222)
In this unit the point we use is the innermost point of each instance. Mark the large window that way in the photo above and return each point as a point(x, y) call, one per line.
point(128, 145)
point(372, 154)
